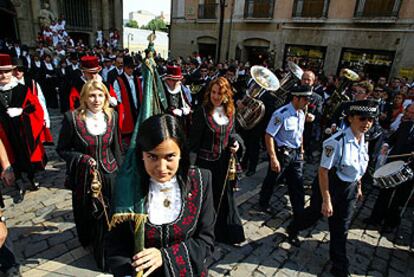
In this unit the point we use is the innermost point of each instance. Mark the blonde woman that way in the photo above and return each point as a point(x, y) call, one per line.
point(89, 141)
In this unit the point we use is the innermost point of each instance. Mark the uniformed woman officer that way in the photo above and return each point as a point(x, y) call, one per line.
point(344, 161)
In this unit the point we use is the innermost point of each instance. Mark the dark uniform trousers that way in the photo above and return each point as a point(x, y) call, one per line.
point(343, 197)
point(291, 169)
point(7, 257)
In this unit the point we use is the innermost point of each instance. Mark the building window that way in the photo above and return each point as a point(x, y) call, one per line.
point(375, 63)
point(258, 8)
point(377, 8)
point(77, 13)
point(208, 10)
point(306, 56)
point(310, 8)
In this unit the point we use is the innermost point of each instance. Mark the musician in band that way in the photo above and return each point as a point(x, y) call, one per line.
point(284, 135)
point(213, 140)
point(313, 115)
point(338, 185)
point(386, 211)
point(199, 83)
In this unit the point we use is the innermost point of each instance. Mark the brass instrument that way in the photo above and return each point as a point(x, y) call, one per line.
point(253, 110)
point(196, 88)
point(339, 95)
point(289, 80)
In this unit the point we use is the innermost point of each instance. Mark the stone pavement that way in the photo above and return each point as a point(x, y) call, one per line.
point(46, 243)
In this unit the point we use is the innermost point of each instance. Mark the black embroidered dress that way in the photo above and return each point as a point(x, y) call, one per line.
point(210, 141)
point(185, 243)
point(77, 146)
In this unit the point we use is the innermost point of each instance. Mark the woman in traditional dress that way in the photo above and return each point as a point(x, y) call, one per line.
point(89, 142)
point(179, 231)
point(213, 140)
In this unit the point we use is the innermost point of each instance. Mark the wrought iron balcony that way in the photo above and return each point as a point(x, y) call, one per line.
point(258, 9)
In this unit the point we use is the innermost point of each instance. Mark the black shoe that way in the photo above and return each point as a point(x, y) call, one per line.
point(339, 273)
point(19, 197)
point(35, 185)
point(293, 238)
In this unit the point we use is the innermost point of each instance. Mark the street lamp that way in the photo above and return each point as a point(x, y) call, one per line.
point(128, 38)
point(222, 6)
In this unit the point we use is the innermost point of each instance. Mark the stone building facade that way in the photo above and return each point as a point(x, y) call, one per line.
point(20, 18)
point(325, 35)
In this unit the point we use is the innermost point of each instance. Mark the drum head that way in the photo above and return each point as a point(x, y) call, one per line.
point(389, 169)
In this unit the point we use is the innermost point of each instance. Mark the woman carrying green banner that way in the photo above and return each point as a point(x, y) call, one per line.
point(179, 232)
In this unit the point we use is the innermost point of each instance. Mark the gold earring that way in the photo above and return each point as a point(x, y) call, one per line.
point(225, 99)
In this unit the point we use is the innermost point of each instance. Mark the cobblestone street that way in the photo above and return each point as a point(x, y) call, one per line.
point(46, 243)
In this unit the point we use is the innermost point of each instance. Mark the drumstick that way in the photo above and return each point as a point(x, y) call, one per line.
point(400, 156)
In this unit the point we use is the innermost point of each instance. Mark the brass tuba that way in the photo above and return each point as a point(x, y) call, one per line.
point(252, 110)
point(339, 95)
point(289, 80)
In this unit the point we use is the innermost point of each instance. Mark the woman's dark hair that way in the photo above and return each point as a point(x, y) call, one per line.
point(152, 133)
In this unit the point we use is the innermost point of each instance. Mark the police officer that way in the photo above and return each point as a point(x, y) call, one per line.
point(283, 141)
point(343, 163)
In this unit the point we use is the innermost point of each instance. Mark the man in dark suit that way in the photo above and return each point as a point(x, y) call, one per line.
point(117, 71)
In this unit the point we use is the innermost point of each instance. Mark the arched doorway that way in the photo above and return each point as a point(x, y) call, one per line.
point(207, 46)
point(257, 51)
point(8, 21)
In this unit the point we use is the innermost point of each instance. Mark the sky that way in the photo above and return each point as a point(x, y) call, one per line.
point(154, 6)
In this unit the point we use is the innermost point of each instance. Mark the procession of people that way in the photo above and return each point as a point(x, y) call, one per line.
point(184, 123)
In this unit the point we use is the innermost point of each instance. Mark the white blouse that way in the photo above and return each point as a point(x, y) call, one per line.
point(95, 123)
point(164, 201)
point(219, 116)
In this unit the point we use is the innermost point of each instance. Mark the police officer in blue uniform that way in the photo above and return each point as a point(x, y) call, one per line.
point(283, 140)
point(343, 163)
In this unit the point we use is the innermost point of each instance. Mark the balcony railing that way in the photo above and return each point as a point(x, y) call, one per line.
point(207, 11)
point(377, 8)
point(258, 9)
point(311, 8)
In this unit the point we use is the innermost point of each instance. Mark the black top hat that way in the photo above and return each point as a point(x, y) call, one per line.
point(129, 62)
point(304, 91)
point(18, 63)
point(368, 107)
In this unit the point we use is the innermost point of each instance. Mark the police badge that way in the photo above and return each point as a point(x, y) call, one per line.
point(277, 120)
point(328, 150)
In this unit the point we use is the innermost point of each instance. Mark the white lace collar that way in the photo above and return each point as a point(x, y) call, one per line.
point(176, 90)
point(164, 201)
point(13, 83)
point(95, 123)
point(219, 116)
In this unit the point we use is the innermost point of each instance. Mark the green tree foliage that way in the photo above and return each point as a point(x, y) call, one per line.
point(156, 24)
point(132, 24)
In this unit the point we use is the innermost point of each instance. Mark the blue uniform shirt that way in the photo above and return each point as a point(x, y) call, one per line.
point(286, 126)
point(343, 152)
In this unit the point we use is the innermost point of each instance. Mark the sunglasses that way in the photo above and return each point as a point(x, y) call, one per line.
point(365, 118)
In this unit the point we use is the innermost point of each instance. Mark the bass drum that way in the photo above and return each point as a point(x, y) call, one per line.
point(393, 174)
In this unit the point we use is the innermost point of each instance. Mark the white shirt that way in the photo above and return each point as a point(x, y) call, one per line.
point(95, 123)
point(164, 201)
point(131, 83)
point(219, 116)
